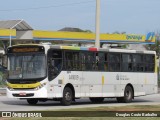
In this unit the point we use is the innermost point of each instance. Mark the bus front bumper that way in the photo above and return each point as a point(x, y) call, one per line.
point(41, 93)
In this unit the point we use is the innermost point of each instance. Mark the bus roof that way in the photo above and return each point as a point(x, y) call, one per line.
point(89, 48)
point(101, 49)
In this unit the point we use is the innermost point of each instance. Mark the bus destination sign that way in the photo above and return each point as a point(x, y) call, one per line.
point(26, 49)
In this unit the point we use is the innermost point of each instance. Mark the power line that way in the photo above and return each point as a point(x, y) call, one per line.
point(45, 7)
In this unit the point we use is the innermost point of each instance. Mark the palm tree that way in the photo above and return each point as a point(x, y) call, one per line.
point(4, 44)
point(155, 47)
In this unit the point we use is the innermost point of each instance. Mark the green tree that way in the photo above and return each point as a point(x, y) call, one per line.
point(4, 44)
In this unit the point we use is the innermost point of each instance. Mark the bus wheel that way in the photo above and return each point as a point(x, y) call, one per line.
point(128, 95)
point(32, 101)
point(96, 100)
point(67, 96)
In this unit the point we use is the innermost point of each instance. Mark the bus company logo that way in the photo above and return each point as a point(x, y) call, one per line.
point(117, 77)
point(6, 114)
point(73, 77)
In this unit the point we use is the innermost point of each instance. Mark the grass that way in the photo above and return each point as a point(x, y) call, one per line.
point(121, 108)
point(98, 110)
point(90, 118)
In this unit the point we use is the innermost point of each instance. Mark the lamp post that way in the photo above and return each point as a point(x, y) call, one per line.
point(97, 42)
point(10, 37)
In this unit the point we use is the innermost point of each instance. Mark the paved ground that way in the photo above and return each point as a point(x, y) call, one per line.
point(7, 104)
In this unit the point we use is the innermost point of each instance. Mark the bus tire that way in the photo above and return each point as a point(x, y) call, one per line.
point(97, 100)
point(67, 96)
point(32, 101)
point(128, 95)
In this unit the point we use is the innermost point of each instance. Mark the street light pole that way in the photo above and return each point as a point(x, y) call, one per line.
point(10, 37)
point(97, 42)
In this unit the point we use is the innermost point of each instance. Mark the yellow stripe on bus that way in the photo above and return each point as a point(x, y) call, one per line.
point(156, 64)
point(102, 80)
point(23, 85)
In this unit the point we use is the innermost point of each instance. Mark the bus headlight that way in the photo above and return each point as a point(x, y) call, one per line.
point(11, 89)
point(39, 87)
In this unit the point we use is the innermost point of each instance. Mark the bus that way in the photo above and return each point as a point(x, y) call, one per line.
point(44, 72)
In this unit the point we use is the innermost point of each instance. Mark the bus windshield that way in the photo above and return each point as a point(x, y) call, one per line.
point(27, 66)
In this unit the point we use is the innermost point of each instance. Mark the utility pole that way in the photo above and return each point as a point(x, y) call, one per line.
point(97, 42)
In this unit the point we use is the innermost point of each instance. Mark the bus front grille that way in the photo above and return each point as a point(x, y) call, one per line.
point(26, 95)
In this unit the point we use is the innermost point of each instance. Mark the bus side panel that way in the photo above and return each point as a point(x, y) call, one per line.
point(86, 82)
point(74, 78)
point(146, 83)
point(57, 85)
point(150, 83)
point(92, 84)
point(141, 84)
point(111, 86)
point(54, 89)
point(128, 78)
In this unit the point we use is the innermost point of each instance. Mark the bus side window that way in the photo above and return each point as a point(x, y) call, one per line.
point(127, 65)
point(138, 63)
point(149, 63)
point(69, 60)
point(83, 60)
point(114, 62)
point(76, 61)
point(54, 63)
point(102, 63)
point(90, 61)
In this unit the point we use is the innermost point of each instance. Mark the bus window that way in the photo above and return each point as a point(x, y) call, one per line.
point(76, 61)
point(102, 63)
point(69, 60)
point(149, 63)
point(127, 63)
point(114, 62)
point(72, 61)
point(138, 64)
point(83, 60)
point(90, 61)
point(54, 63)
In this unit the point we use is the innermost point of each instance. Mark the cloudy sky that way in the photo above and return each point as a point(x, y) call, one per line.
point(131, 16)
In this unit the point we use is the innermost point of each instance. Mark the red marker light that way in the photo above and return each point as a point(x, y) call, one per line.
point(93, 49)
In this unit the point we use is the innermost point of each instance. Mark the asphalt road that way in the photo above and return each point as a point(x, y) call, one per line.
point(7, 104)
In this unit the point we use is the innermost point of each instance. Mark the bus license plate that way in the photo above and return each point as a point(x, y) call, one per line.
point(22, 94)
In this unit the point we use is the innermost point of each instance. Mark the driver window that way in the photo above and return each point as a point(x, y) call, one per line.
point(54, 63)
